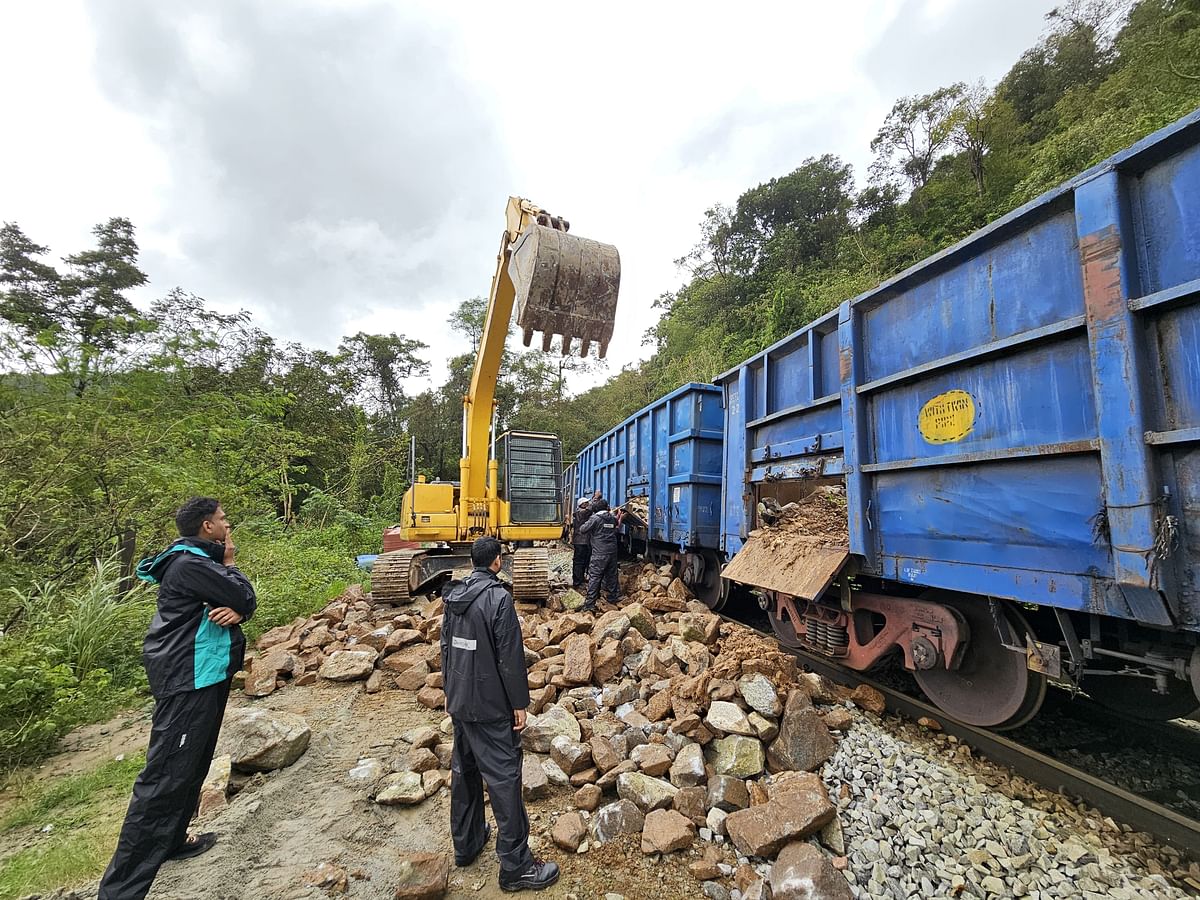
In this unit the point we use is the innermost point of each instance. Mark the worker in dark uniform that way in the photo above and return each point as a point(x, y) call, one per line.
point(603, 529)
point(487, 691)
point(581, 544)
point(193, 648)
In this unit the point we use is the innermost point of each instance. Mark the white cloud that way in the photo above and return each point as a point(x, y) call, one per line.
point(338, 166)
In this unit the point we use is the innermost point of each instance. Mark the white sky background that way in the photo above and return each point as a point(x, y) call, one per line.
point(342, 166)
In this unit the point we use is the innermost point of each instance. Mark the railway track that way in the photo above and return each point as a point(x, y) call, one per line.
point(1135, 810)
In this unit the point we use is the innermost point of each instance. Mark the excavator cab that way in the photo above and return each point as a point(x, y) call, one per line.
point(565, 285)
point(530, 475)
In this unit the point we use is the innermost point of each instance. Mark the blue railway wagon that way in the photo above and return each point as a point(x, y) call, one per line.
point(1016, 423)
point(670, 453)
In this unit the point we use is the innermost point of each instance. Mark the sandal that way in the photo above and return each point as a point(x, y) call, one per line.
point(195, 845)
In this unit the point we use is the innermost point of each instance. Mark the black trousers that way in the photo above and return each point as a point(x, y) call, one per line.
point(602, 573)
point(579, 564)
point(183, 736)
point(491, 752)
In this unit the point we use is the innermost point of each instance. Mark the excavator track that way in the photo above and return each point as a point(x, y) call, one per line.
point(392, 575)
point(531, 574)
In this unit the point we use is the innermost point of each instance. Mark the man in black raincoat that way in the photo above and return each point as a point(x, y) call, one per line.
point(580, 543)
point(603, 529)
point(193, 648)
point(487, 691)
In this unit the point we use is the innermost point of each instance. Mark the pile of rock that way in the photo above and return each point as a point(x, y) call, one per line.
point(669, 725)
point(354, 639)
point(418, 769)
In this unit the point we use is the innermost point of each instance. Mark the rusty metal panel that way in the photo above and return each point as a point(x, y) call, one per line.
point(789, 563)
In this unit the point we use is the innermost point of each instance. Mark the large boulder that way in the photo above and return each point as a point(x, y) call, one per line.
point(269, 668)
point(577, 659)
point(606, 662)
point(800, 806)
point(366, 774)
point(666, 831)
point(571, 756)
point(260, 740)
point(728, 718)
point(642, 620)
point(569, 831)
point(535, 784)
point(214, 791)
point(540, 731)
point(760, 694)
point(688, 768)
point(348, 665)
point(610, 627)
point(804, 741)
point(803, 873)
point(727, 793)
point(870, 699)
point(653, 759)
point(401, 789)
point(702, 627)
point(608, 752)
point(645, 792)
point(621, 817)
point(741, 757)
point(423, 876)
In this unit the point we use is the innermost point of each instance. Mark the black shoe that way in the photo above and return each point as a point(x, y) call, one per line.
point(194, 846)
point(587, 607)
point(538, 876)
point(463, 861)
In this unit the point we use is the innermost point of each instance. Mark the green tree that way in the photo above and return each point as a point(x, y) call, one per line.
point(915, 133)
point(77, 323)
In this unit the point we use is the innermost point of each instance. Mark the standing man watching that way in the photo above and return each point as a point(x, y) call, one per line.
point(487, 691)
point(193, 648)
point(581, 544)
point(603, 530)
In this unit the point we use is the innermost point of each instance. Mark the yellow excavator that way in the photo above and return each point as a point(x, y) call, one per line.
point(510, 486)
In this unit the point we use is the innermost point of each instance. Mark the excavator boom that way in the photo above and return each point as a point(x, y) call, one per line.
point(558, 284)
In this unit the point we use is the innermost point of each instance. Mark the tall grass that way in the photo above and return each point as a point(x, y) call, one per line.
point(96, 627)
point(71, 656)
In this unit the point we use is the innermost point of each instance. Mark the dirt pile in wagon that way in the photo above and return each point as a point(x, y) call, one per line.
point(820, 517)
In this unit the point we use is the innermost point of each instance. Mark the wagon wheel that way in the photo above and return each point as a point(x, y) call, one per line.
point(780, 611)
point(1134, 696)
point(992, 687)
point(712, 590)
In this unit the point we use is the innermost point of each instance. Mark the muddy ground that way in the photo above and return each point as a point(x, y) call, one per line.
point(284, 824)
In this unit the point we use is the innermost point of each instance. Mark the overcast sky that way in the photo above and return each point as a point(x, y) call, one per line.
point(342, 166)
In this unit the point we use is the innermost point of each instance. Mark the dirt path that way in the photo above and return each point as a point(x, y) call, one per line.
point(275, 831)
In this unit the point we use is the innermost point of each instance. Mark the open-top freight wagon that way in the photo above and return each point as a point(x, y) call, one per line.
point(1008, 434)
point(663, 464)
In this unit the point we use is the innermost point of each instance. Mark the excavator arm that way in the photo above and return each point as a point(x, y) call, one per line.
point(559, 284)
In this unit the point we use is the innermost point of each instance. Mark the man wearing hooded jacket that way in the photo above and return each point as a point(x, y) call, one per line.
point(193, 648)
point(603, 529)
point(487, 691)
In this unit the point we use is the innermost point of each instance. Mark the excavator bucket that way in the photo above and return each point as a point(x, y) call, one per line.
point(565, 285)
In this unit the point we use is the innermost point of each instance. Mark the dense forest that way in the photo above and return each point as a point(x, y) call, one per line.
point(111, 414)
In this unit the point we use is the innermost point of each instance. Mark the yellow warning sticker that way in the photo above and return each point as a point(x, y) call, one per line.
point(947, 418)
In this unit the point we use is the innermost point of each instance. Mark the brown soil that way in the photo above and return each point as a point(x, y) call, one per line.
point(820, 517)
